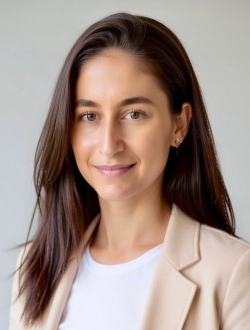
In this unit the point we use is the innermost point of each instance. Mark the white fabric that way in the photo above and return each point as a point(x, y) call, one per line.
point(109, 297)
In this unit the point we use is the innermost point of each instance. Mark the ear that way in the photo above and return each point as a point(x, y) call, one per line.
point(181, 124)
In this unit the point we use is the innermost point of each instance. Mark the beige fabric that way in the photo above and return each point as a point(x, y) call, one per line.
point(201, 282)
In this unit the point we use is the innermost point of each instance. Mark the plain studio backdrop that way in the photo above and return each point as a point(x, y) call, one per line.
point(35, 38)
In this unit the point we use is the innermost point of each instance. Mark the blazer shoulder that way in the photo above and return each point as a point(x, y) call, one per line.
point(222, 244)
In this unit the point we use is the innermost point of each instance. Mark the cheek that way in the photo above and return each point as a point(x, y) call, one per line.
point(82, 143)
point(81, 146)
point(79, 140)
point(157, 144)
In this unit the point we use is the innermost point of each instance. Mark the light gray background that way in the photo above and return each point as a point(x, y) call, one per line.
point(34, 40)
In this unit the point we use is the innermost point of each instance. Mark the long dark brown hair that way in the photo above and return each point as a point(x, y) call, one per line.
point(66, 203)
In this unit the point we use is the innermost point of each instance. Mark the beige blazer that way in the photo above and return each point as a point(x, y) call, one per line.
point(201, 282)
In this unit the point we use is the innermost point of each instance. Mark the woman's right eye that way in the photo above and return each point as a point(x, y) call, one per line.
point(89, 116)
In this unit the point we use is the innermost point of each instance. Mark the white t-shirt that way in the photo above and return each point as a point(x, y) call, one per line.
point(109, 297)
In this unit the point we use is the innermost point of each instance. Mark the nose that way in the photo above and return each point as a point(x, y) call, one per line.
point(111, 139)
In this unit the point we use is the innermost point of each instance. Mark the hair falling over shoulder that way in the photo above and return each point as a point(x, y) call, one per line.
point(66, 203)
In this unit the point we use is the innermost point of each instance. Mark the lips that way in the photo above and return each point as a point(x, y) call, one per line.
point(114, 170)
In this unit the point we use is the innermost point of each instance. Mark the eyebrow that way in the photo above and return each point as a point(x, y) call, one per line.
point(85, 103)
point(134, 100)
point(129, 101)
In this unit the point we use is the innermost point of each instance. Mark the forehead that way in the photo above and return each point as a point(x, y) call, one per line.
point(115, 70)
point(116, 55)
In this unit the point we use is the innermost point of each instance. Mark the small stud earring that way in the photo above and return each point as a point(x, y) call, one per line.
point(177, 144)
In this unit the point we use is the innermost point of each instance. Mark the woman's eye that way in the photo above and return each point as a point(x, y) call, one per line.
point(89, 116)
point(134, 114)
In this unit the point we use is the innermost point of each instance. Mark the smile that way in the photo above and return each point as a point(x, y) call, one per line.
point(113, 171)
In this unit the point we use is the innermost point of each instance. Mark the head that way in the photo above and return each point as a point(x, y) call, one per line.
point(191, 178)
point(160, 53)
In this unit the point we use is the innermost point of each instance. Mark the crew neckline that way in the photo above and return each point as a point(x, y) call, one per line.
point(104, 269)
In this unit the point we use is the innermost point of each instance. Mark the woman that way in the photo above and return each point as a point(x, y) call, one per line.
point(136, 228)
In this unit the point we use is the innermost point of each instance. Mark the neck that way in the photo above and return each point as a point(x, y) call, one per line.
point(137, 223)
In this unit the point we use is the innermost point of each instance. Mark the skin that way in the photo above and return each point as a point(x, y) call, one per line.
point(111, 128)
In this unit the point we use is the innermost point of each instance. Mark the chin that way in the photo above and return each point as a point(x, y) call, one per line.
point(115, 195)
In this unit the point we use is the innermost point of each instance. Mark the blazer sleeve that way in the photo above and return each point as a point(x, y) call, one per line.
point(16, 307)
point(236, 306)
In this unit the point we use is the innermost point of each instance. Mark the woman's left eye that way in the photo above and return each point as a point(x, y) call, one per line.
point(134, 114)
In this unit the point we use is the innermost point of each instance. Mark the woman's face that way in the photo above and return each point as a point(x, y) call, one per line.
point(122, 129)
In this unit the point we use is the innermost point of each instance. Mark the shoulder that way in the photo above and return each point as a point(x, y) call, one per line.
point(21, 257)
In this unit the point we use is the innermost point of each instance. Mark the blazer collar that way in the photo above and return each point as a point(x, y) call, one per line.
point(170, 295)
point(181, 243)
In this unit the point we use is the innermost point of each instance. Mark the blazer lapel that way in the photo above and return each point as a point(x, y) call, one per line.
point(171, 294)
point(55, 310)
